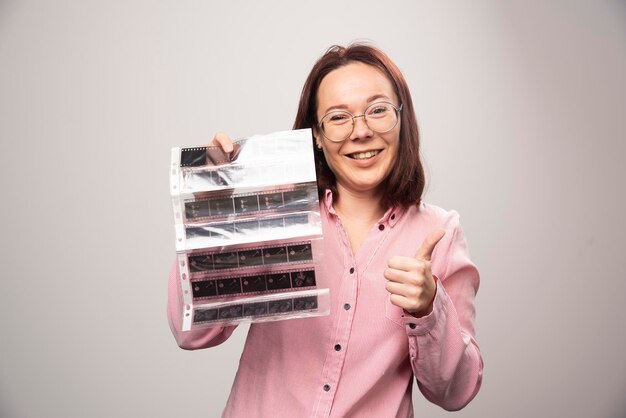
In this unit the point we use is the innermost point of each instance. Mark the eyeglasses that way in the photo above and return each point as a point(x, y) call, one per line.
point(380, 117)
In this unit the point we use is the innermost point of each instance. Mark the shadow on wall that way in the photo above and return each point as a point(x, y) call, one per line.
point(620, 411)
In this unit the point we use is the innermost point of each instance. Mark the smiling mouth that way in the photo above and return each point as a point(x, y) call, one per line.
point(363, 155)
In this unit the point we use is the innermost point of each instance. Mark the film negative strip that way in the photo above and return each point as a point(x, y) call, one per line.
point(207, 206)
point(209, 262)
point(211, 155)
point(256, 310)
point(253, 284)
point(240, 176)
point(249, 231)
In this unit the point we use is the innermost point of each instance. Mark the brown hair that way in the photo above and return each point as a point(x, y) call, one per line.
point(405, 183)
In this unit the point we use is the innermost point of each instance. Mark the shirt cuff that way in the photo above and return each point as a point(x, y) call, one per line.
point(423, 325)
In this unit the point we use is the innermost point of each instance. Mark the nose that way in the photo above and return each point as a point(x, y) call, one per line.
point(360, 129)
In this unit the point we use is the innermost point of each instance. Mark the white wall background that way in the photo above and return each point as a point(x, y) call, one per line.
point(522, 108)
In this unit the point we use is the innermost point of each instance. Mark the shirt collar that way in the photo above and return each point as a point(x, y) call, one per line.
point(391, 217)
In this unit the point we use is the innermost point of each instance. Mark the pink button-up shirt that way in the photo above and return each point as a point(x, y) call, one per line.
point(360, 360)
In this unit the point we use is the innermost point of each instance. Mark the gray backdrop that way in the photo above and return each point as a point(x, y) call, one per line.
point(523, 120)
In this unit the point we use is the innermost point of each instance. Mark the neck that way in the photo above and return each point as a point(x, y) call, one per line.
point(365, 207)
point(358, 213)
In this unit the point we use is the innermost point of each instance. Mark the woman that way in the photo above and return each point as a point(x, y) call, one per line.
point(401, 282)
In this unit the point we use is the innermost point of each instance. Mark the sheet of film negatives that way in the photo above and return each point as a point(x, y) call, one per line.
point(212, 206)
point(263, 194)
point(260, 309)
point(260, 161)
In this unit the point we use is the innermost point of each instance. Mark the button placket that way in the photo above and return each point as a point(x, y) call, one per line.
point(334, 363)
point(336, 355)
point(346, 306)
point(344, 334)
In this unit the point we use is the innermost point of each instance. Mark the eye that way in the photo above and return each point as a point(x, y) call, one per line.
point(337, 118)
point(379, 110)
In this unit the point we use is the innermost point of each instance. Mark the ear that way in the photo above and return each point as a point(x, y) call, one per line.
point(318, 140)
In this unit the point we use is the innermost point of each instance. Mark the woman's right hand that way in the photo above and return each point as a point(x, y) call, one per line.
point(223, 140)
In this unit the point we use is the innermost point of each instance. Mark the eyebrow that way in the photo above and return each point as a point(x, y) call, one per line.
point(369, 100)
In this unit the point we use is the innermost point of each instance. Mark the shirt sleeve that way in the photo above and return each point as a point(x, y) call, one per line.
point(443, 352)
point(195, 339)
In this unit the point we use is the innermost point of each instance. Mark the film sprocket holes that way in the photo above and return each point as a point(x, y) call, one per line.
point(248, 231)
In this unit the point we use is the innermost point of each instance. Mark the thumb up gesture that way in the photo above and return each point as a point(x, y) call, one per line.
point(410, 280)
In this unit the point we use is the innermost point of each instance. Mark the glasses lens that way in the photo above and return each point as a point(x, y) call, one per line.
point(337, 126)
point(381, 117)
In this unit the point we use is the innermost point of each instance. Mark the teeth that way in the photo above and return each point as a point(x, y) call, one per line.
point(364, 155)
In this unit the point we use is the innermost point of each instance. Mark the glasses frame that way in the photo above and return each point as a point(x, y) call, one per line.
point(364, 116)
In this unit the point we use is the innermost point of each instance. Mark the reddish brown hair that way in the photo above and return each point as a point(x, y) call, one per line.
point(405, 183)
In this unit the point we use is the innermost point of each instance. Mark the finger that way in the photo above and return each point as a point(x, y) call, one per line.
point(224, 141)
point(402, 302)
point(405, 263)
point(427, 247)
point(404, 290)
point(401, 276)
point(394, 288)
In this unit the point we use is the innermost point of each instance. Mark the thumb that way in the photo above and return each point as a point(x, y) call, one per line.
point(427, 247)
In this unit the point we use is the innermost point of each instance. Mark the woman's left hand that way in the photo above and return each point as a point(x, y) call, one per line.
point(410, 280)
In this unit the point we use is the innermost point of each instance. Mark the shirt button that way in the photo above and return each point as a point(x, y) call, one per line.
point(351, 270)
point(337, 347)
point(346, 306)
point(381, 227)
point(412, 325)
point(326, 388)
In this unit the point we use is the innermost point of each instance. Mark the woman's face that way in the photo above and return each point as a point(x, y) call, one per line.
point(362, 161)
